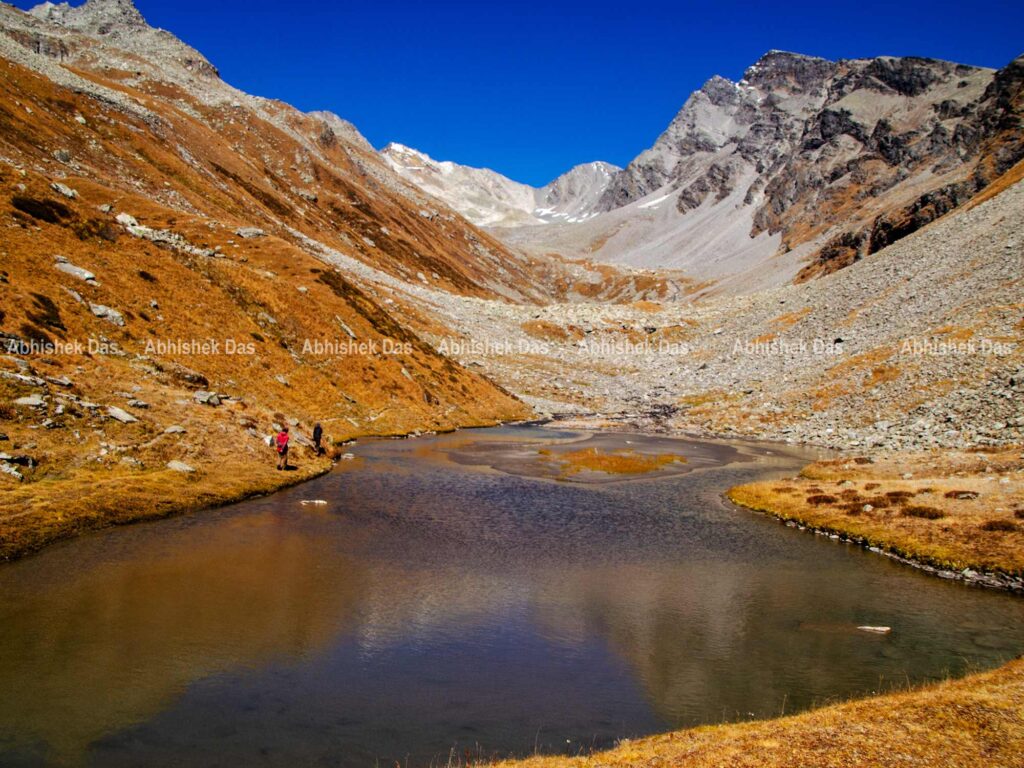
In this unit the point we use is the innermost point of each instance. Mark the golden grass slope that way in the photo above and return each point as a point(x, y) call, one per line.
point(977, 722)
point(949, 510)
point(264, 302)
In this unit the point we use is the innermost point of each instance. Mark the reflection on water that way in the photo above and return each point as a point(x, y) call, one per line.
point(449, 595)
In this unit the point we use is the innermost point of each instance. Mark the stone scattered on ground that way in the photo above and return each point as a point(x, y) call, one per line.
point(120, 415)
point(64, 189)
point(68, 268)
point(206, 398)
point(107, 313)
point(7, 469)
point(180, 466)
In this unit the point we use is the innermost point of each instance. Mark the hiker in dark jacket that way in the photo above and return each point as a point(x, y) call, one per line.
point(281, 443)
point(318, 435)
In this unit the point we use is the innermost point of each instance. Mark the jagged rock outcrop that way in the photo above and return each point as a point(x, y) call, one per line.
point(803, 166)
point(120, 22)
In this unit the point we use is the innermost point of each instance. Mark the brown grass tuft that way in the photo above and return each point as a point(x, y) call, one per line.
point(818, 499)
point(924, 512)
point(1001, 526)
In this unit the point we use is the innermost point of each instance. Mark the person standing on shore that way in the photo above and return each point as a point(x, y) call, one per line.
point(281, 443)
point(318, 435)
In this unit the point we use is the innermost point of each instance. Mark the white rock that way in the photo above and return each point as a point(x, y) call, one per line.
point(64, 189)
point(174, 429)
point(107, 313)
point(126, 219)
point(79, 272)
point(120, 415)
point(180, 466)
point(7, 469)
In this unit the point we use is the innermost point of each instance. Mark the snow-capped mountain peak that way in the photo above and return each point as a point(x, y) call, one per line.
point(487, 198)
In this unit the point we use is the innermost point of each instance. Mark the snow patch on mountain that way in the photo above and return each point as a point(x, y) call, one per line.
point(489, 199)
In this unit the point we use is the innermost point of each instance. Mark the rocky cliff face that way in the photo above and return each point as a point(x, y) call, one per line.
point(845, 156)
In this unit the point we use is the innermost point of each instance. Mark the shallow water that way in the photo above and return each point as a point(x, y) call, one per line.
point(454, 594)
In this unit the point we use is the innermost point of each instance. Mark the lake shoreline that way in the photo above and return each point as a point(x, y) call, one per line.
point(973, 576)
point(878, 711)
point(123, 497)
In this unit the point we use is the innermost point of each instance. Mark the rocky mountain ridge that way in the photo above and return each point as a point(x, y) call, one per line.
point(489, 199)
point(803, 166)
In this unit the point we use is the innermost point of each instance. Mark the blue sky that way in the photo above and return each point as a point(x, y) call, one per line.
point(533, 88)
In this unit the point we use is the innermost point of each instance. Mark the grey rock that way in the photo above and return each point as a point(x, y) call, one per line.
point(180, 466)
point(7, 469)
point(107, 313)
point(206, 398)
point(79, 272)
point(64, 189)
point(120, 415)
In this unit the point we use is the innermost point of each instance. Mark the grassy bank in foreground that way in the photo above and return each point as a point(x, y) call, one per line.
point(947, 510)
point(86, 499)
point(976, 721)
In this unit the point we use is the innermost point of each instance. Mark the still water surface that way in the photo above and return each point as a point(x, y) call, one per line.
point(454, 594)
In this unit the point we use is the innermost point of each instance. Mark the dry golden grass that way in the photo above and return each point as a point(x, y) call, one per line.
point(548, 331)
point(1007, 180)
point(614, 462)
point(89, 499)
point(956, 511)
point(707, 397)
point(970, 723)
point(651, 307)
point(882, 374)
point(789, 319)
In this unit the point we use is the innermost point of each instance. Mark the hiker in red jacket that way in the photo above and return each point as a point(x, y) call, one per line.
point(281, 443)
